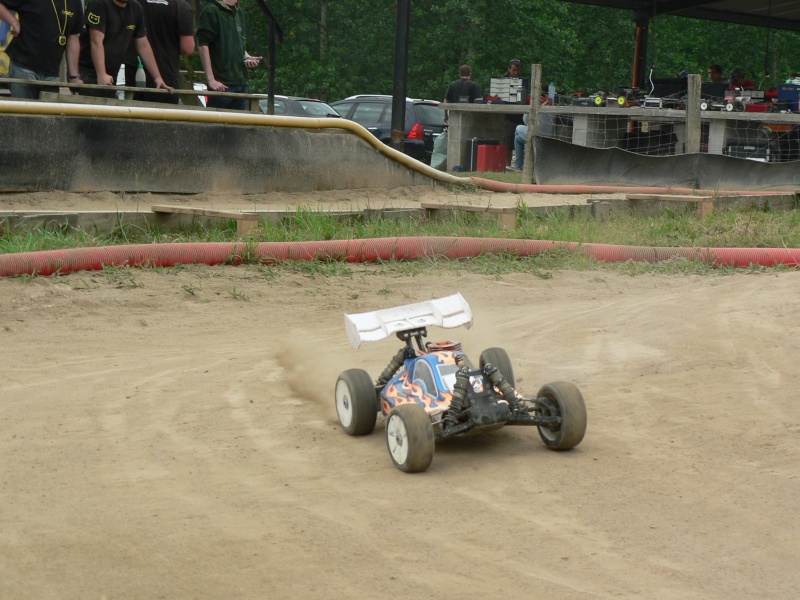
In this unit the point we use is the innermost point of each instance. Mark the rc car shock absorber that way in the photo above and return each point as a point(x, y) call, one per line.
point(506, 391)
point(460, 390)
point(393, 366)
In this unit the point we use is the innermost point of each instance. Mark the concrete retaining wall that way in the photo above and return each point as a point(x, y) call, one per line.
point(81, 154)
point(557, 162)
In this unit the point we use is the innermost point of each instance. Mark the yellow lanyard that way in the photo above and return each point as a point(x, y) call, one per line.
point(62, 39)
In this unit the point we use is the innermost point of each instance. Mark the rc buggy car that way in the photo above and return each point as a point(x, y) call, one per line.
point(431, 391)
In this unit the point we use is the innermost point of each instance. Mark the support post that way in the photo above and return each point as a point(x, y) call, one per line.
point(693, 121)
point(533, 122)
point(640, 51)
point(400, 89)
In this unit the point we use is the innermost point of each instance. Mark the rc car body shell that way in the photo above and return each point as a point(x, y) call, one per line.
point(427, 380)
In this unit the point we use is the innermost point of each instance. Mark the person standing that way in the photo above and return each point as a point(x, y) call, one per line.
point(44, 32)
point(170, 31)
point(221, 44)
point(510, 122)
point(463, 89)
point(111, 26)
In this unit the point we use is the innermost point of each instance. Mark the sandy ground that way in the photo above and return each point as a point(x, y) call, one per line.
point(172, 435)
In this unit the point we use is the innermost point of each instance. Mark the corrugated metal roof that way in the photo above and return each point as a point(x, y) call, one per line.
point(776, 14)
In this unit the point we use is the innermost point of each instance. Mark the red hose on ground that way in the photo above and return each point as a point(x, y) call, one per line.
point(532, 188)
point(51, 262)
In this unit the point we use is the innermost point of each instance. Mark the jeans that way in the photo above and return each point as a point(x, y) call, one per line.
point(232, 103)
point(31, 92)
point(520, 137)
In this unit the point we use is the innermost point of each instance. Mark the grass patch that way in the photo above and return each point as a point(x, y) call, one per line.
point(725, 228)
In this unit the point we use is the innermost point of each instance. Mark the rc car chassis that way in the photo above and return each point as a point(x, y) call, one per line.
point(433, 392)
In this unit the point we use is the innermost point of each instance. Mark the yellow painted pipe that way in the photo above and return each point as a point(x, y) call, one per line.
point(225, 118)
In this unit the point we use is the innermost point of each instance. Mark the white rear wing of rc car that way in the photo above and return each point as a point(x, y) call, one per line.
point(448, 312)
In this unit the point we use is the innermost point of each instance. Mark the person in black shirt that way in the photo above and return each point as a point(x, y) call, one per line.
point(111, 25)
point(463, 89)
point(44, 32)
point(170, 31)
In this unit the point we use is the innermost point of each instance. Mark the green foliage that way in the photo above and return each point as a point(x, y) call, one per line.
point(334, 49)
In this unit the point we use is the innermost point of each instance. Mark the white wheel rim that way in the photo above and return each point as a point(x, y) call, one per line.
point(344, 403)
point(397, 439)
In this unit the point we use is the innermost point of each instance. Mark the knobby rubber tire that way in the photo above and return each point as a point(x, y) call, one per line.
point(568, 400)
point(498, 357)
point(356, 402)
point(411, 421)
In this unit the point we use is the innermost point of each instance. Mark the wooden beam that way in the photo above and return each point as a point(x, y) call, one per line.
point(245, 222)
point(505, 215)
point(705, 204)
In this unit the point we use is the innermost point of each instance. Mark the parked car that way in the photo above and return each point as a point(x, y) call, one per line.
point(293, 106)
point(424, 121)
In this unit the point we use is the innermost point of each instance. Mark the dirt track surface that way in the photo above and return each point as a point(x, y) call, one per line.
point(172, 435)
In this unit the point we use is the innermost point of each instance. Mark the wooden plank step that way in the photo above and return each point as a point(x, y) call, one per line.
point(204, 212)
point(469, 208)
point(245, 222)
point(505, 215)
point(705, 204)
point(669, 198)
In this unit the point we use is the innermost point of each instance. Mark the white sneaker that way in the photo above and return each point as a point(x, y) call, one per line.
point(513, 168)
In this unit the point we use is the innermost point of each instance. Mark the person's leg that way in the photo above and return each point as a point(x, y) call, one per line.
point(239, 103)
point(22, 90)
point(230, 103)
point(520, 137)
point(508, 139)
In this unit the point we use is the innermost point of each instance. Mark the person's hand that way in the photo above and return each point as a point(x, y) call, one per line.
point(216, 86)
point(162, 86)
point(105, 79)
point(252, 61)
point(16, 28)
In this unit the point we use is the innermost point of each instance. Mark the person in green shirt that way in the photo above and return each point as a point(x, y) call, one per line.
point(225, 60)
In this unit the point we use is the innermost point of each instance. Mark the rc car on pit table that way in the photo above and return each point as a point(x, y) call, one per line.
point(433, 392)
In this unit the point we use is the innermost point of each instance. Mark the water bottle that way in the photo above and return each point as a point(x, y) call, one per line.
point(551, 92)
point(140, 78)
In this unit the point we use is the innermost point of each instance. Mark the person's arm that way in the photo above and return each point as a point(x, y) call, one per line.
point(186, 31)
point(186, 44)
point(96, 38)
point(205, 60)
point(72, 54)
point(145, 52)
point(7, 16)
point(251, 61)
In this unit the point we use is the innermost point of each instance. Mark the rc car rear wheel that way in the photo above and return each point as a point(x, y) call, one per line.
point(564, 399)
point(409, 438)
point(498, 357)
point(356, 402)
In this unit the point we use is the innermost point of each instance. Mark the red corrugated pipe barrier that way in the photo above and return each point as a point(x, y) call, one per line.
point(51, 262)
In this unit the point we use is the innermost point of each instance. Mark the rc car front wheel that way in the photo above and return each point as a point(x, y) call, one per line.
point(497, 357)
point(409, 438)
point(565, 400)
point(356, 402)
